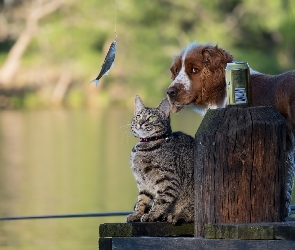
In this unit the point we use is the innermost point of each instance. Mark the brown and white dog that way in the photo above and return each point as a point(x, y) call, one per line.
point(198, 75)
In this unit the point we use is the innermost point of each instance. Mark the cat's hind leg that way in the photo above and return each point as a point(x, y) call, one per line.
point(183, 210)
point(163, 200)
point(176, 214)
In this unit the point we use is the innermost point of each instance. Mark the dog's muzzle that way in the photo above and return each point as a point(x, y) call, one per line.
point(172, 94)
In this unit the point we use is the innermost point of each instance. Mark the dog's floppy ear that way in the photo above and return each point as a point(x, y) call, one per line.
point(214, 56)
point(207, 52)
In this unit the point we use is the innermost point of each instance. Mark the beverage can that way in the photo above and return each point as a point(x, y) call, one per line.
point(237, 77)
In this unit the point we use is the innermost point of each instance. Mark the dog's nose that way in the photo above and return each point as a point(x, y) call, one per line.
point(172, 91)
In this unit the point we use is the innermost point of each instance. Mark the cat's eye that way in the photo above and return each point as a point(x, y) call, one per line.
point(152, 118)
point(138, 117)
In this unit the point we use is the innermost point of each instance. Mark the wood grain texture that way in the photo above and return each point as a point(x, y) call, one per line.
point(240, 167)
point(151, 229)
point(165, 243)
point(251, 231)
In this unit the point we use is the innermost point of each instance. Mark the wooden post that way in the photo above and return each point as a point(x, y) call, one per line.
point(240, 167)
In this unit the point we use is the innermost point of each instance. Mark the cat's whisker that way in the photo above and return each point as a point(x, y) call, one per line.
point(126, 135)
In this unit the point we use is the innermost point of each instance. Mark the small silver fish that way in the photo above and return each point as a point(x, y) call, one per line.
point(108, 62)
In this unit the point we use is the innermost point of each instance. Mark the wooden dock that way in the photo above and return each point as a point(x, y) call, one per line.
point(153, 235)
point(240, 190)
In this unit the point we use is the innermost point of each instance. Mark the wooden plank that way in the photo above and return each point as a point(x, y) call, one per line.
point(152, 229)
point(105, 243)
point(165, 243)
point(251, 231)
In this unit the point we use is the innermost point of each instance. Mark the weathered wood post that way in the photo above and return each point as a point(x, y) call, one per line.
point(240, 167)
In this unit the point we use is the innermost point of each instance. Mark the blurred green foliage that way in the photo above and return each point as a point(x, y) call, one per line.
point(77, 36)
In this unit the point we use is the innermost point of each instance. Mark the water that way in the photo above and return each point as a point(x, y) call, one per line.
point(60, 162)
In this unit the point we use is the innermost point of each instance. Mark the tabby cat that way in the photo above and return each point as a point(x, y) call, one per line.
point(163, 166)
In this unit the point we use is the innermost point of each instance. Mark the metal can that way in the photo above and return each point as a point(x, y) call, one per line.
point(238, 89)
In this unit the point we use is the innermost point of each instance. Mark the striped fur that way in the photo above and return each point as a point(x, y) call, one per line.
point(163, 168)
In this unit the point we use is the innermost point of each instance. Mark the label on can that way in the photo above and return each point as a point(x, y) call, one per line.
point(237, 77)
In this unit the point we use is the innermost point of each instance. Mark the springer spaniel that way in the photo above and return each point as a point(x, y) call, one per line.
point(198, 75)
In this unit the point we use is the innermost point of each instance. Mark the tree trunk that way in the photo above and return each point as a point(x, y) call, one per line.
point(11, 64)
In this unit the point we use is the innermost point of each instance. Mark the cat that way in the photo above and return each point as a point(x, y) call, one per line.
point(163, 166)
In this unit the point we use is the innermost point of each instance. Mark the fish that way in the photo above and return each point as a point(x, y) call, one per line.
point(108, 62)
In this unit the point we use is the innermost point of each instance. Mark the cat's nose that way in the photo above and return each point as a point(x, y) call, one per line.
point(172, 91)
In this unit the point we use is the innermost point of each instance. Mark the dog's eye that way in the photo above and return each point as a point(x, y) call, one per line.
point(174, 72)
point(194, 71)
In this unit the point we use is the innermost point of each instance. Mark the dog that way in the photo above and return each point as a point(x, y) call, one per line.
point(198, 75)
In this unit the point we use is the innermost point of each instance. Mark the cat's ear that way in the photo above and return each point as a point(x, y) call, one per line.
point(165, 106)
point(138, 105)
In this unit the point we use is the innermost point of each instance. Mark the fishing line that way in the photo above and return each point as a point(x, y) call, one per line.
point(116, 6)
point(61, 216)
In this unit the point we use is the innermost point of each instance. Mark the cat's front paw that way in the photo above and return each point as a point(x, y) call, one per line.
point(172, 219)
point(135, 217)
point(151, 217)
point(146, 218)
